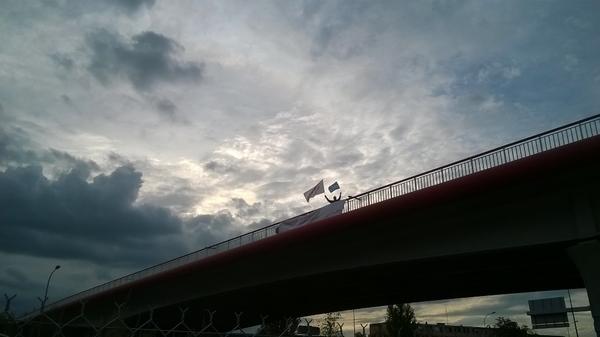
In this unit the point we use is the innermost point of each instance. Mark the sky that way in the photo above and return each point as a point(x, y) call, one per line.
point(133, 131)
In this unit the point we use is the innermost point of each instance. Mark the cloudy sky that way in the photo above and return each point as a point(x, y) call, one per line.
point(132, 131)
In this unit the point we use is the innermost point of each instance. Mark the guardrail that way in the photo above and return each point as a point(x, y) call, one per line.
point(570, 133)
point(567, 134)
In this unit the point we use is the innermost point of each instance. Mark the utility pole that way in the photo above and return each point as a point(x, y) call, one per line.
point(573, 313)
point(354, 324)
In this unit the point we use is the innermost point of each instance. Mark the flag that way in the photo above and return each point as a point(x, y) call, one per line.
point(318, 189)
point(333, 187)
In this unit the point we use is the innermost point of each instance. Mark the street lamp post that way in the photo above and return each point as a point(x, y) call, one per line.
point(485, 317)
point(46, 291)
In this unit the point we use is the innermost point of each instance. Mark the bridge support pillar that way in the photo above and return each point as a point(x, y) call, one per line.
point(586, 256)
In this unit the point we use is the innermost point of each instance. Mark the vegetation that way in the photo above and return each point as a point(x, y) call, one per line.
point(400, 320)
point(330, 324)
point(506, 327)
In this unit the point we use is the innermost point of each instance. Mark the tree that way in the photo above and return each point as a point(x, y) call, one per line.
point(506, 327)
point(400, 320)
point(330, 324)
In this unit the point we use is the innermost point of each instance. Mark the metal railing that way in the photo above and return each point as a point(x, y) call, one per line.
point(570, 133)
point(567, 134)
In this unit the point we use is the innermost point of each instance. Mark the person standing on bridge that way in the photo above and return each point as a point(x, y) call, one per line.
point(335, 198)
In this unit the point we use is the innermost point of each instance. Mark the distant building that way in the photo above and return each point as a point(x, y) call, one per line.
point(443, 330)
point(439, 330)
point(304, 330)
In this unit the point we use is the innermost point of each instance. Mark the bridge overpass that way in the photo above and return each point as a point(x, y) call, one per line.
point(522, 217)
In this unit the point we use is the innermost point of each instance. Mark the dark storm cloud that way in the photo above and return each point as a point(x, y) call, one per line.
point(74, 218)
point(145, 60)
point(94, 218)
point(17, 149)
point(12, 143)
point(208, 229)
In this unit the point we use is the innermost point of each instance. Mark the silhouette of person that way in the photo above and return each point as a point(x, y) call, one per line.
point(334, 198)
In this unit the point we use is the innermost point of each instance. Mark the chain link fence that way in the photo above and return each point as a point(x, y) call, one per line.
point(206, 323)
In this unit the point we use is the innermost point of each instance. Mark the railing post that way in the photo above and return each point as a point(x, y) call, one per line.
point(540, 144)
point(472, 167)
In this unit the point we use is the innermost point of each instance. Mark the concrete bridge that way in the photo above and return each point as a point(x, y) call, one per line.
point(499, 222)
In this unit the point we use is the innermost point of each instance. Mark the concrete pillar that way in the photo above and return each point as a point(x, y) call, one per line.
point(586, 256)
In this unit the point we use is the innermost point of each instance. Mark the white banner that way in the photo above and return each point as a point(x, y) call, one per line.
point(316, 215)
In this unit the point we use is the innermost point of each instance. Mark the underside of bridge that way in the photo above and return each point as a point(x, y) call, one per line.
point(503, 230)
point(497, 272)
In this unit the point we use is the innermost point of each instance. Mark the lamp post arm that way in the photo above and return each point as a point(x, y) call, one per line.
point(46, 291)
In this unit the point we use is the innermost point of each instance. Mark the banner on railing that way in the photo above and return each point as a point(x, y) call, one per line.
point(330, 210)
